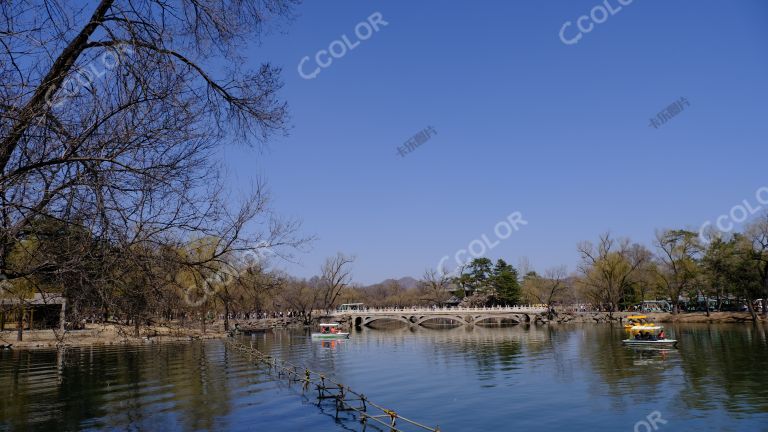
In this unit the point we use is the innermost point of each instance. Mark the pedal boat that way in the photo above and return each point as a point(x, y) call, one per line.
point(654, 341)
point(330, 331)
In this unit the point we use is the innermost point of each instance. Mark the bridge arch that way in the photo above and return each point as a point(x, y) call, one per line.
point(456, 319)
point(500, 319)
point(370, 319)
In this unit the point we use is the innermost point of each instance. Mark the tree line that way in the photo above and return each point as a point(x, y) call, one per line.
point(712, 266)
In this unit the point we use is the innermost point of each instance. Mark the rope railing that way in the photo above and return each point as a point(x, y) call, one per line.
point(327, 388)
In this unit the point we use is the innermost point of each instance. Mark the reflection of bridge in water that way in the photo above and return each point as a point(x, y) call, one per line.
point(462, 316)
point(463, 334)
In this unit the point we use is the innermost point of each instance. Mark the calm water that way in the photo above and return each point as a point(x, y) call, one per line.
point(515, 378)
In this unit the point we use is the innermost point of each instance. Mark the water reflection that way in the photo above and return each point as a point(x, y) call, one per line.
point(714, 381)
point(725, 366)
point(114, 387)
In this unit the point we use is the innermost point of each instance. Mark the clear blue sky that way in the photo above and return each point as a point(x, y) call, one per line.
point(524, 123)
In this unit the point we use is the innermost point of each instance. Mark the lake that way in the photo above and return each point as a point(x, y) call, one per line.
point(576, 378)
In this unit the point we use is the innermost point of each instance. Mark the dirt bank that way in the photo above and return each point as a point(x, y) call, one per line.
point(114, 334)
point(695, 317)
point(103, 334)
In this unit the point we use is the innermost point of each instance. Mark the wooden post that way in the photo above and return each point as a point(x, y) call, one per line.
point(31, 318)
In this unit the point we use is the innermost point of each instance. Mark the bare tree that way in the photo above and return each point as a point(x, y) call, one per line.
point(546, 289)
point(335, 275)
point(434, 286)
point(302, 296)
point(111, 113)
point(608, 268)
point(757, 234)
point(678, 270)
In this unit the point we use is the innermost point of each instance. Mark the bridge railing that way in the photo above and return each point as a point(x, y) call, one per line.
point(427, 310)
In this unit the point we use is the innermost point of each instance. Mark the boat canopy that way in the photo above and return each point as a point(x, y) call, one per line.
point(647, 328)
point(637, 317)
point(329, 325)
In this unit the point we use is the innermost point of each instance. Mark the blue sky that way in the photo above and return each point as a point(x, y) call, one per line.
point(560, 133)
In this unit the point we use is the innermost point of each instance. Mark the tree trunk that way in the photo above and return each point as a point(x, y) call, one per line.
point(765, 289)
point(203, 315)
point(706, 303)
point(750, 306)
point(136, 327)
point(20, 324)
point(226, 315)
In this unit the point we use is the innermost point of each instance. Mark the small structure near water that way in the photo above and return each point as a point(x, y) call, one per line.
point(39, 312)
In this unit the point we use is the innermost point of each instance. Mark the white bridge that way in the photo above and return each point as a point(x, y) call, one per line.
point(462, 316)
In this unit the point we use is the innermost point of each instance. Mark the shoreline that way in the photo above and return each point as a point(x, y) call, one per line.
point(660, 317)
point(116, 334)
point(104, 334)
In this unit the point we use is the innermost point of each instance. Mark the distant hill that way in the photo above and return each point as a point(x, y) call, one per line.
point(405, 282)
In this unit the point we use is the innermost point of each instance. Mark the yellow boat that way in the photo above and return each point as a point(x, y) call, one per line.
point(649, 336)
point(637, 321)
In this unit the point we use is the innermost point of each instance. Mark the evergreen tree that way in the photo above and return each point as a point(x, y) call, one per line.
point(505, 284)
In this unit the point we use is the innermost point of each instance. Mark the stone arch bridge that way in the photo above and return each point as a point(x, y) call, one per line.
point(461, 316)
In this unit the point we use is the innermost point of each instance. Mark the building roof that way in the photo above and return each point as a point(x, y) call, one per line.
point(37, 299)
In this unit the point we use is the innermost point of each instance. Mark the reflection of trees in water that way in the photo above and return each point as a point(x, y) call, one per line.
point(297, 347)
point(20, 392)
point(111, 387)
point(620, 371)
point(725, 366)
point(715, 367)
point(488, 350)
point(559, 345)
